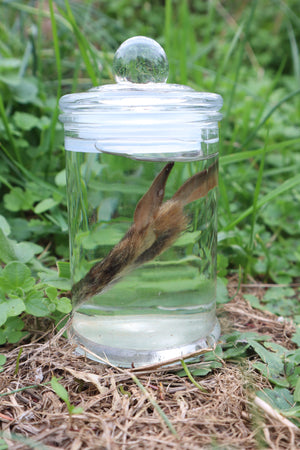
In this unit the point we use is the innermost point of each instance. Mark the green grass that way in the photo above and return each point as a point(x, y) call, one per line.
point(246, 51)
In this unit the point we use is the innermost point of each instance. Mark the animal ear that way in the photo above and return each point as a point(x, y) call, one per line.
point(149, 204)
point(198, 185)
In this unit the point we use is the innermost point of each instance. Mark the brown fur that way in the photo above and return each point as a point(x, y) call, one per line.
point(156, 226)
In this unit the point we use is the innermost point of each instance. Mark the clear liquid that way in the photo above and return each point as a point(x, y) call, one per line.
point(156, 310)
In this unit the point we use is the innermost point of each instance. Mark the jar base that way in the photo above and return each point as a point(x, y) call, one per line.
point(139, 356)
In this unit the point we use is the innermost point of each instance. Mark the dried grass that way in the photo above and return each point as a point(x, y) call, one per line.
point(118, 415)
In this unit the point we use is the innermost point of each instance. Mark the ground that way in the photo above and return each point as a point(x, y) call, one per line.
point(117, 414)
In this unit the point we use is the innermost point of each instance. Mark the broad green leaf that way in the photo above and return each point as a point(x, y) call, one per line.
point(278, 294)
point(19, 200)
point(236, 352)
point(277, 348)
point(25, 251)
point(64, 269)
point(60, 178)
point(272, 375)
point(37, 305)
point(25, 91)
point(45, 205)
point(279, 398)
point(4, 226)
point(3, 313)
point(7, 253)
point(10, 332)
point(2, 359)
point(16, 274)
point(15, 306)
point(13, 201)
point(254, 302)
point(25, 121)
point(297, 391)
point(296, 336)
point(245, 337)
point(51, 292)
point(55, 281)
point(64, 305)
point(273, 360)
point(222, 293)
point(107, 236)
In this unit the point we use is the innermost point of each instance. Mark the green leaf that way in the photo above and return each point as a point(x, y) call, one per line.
point(37, 305)
point(25, 121)
point(60, 178)
point(4, 226)
point(296, 336)
point(236, 352)
point(64, 269)
point(60, 390)
point(222, 293)
point(51, 293)
point(55, 281)
point(18, 200)
point(7, 253)
point(254, 302)
point(15, 306)
point(13, 201)
point(75, 409)
point(45, 205)
point(273, 376)
point(3, 313)
point(64, 305)
point(25, 251)
point(279, 398)
point(2, 359)
point(25, 91)
point(10, 332)
point(273, 360)
point(297, 391)
point(203, 370)
point(16, 274)
point(3, 445)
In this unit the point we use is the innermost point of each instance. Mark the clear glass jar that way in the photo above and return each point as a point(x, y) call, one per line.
point(142, 176)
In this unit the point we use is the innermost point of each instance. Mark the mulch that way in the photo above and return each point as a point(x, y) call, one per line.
point(118, 414)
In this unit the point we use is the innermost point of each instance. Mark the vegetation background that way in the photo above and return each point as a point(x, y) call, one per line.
point(248, 52)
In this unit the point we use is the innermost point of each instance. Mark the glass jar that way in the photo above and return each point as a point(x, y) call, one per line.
point(142, 176)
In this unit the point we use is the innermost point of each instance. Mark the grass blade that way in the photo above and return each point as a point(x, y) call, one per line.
point(255, 198)
point(190, 377)
point(286, 186)
point(59, 80)
point(154, 404)
point(83, 44)
point(246, 154)
point(8, 132)
point(240, 58)
point(268, 115)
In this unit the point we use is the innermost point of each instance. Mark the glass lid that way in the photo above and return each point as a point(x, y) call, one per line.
point(141, 113)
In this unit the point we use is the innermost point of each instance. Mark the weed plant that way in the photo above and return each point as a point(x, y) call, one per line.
point(247, 52)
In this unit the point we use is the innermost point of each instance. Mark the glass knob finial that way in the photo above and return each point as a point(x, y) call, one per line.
point(140, 60)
